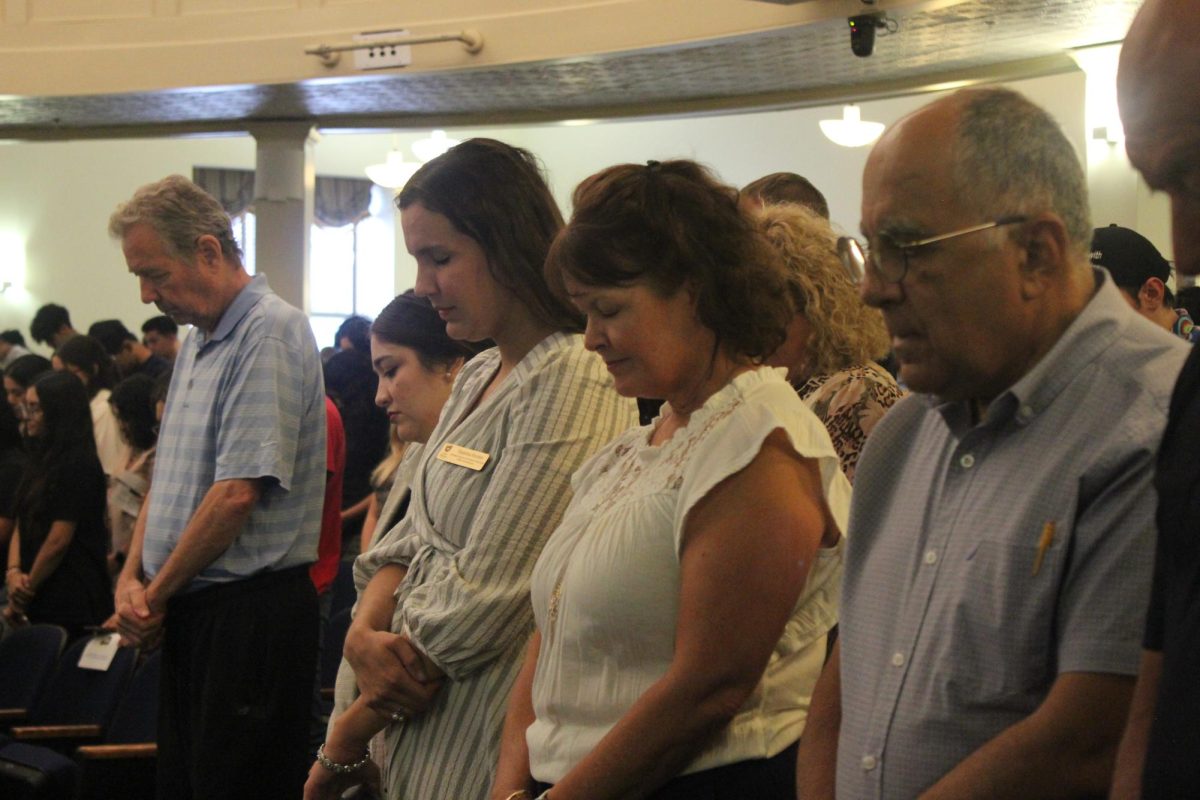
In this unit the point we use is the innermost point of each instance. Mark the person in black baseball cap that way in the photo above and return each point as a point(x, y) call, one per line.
point(1141, 273)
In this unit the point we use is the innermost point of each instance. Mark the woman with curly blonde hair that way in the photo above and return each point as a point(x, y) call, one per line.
point(834, 337)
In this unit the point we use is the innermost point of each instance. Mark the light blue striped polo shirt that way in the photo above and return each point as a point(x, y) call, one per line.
point(246, 401)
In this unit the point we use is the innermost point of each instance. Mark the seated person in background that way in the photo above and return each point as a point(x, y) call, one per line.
point(56, 559)
point(133, 407)
point(161, 335)
point(86, 359)
point(1141, 274)
point(12, 347)
point(683, 603)
point(130, 356)
point(833, 336)
point(51, 326)
point(18, 377)
point(784, 187)
point(998, 566)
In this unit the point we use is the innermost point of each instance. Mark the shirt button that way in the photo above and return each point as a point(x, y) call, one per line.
point(897, 659)
point(931, 556)
point(967, 461)
point(868, 763)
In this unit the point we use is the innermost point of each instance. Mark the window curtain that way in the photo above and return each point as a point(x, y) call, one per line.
point(341, 201)
point(336, 201)
point(233, 188)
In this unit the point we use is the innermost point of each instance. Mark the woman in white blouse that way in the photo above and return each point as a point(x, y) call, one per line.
point(440, 629)
point(683, 604)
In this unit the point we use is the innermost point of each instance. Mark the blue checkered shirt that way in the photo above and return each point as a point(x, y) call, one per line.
point(952, 628)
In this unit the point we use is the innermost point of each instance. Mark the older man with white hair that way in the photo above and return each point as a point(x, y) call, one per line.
point(218, 563)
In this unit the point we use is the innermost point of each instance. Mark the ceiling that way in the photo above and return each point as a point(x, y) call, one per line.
point(801, 65)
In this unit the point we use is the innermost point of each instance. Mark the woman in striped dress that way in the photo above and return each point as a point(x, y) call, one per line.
point(441, 626)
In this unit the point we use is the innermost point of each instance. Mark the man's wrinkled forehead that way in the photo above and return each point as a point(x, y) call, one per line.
point(911, 166)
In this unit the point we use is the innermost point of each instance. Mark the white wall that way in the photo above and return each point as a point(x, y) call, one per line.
point(740, 147)
point(57, 196)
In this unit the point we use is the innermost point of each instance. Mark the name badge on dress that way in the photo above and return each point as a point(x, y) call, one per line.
point(463, 456)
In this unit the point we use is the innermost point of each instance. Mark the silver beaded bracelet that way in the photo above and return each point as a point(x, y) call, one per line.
point(341, 769)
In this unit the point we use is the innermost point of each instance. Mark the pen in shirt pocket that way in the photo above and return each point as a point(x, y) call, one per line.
point(1044, 543)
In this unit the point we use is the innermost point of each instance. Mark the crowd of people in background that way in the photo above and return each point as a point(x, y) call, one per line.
point(887, 527)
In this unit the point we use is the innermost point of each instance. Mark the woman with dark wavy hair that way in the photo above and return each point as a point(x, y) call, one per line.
point(683, 604)
point(443, 615)
point(56, 559)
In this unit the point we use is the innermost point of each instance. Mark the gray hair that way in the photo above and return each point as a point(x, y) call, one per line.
point(180, 212)
point(1011, 157)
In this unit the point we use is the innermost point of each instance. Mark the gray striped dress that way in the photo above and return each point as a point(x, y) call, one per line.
point(470, 540)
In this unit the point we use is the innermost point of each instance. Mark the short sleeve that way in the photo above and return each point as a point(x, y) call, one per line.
point(261, 409)
point(735, 439)
point(1112, 545)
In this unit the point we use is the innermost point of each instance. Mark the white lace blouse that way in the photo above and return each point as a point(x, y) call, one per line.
point(606, 588)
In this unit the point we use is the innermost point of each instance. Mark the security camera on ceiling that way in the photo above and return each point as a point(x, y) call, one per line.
point(862, 31)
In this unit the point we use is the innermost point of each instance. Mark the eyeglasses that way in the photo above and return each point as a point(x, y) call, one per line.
point(889, 258)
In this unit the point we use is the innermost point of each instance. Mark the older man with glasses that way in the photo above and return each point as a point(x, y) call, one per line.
point(1002, 532)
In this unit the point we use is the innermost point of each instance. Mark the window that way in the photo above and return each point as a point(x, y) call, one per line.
point(351, 268)
point(243, 232)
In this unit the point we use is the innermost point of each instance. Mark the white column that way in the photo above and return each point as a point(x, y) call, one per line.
point(284, 177)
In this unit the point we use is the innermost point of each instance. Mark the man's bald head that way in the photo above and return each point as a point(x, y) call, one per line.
point(1158, 87)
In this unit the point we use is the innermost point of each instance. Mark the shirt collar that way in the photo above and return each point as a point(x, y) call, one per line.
point(1102, 321)
point(246, 299)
